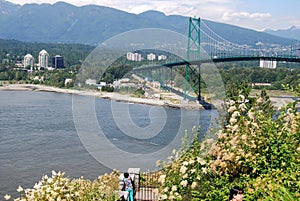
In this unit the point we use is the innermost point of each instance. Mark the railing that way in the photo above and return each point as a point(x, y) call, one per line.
point(148, 188)
point(145, 185)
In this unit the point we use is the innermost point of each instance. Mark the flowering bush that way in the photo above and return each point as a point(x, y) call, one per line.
point(258, 149)
point(58, 187)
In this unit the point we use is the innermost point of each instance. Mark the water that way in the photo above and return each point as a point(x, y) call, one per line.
point(37, 135)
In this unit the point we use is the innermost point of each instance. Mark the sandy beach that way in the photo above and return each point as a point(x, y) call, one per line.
point(277, 101)
point(106, 95)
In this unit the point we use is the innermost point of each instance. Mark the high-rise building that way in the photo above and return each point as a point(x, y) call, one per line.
point(43, 59)
point(58, 62)
point(28, 61)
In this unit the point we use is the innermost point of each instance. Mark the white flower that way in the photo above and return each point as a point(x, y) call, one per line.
point(204, 170)
point(164, 197)
point(20, 189)
point(231, 102)
point(174, 188)
point(234, 128)
point(236, 114)
point(185, 163)
point(158, 163)
point(184, 183)
point(7, 197)
point(232, 120)
point(174, 151)
point(53, 173)
point(162, 178)
point(185, 176)
point(194, 185)
point(231, 109)
point(191, 161)
point(242, 107)
point(251, 115)
point(201, 161)
point(259, 100)
point(241, 98)
point(183, 169)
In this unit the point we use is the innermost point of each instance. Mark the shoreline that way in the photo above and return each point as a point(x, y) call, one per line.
point(277, 101)
point(105, 95)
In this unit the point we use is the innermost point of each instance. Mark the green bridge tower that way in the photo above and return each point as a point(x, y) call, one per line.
point(193, 53)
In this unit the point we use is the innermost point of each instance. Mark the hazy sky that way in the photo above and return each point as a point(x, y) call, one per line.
point(254, 14)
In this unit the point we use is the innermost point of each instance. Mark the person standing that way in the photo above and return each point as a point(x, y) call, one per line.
point(128, 186)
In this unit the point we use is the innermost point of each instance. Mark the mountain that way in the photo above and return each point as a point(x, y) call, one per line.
point(7, 7)
point(292, 32)
point(65, 23)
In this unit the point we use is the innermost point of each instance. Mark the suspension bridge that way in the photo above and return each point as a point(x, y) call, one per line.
point(206, 46)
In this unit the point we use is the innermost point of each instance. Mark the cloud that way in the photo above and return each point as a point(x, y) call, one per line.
point(244, 16)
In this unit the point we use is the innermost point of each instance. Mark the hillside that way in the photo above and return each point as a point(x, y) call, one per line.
point(292, 32)
point(66, 23)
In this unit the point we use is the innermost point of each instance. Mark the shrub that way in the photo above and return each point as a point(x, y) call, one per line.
point(59, 187)
point(258, 149)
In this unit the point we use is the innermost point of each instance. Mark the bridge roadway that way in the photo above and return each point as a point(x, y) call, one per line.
point(220, 59)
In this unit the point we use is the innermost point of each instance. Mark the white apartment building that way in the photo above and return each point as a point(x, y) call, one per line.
point(28, 60)
point(133, 56)
point(151, 57)
point(43, 59)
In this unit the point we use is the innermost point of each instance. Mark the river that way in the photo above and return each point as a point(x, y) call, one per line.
point(38, 135)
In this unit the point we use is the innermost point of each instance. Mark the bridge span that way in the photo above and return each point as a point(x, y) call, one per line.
point(206, 46)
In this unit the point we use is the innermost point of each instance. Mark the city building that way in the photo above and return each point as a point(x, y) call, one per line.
point(58, 62)
point(162, 57)
point(133, 56)
point(151, 57)
point(43, 59)
point(28, 61)
point(129, 56)
point(267, 64)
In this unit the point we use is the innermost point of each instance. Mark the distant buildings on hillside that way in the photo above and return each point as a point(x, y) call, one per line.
point(43, 61)
point(150, 57)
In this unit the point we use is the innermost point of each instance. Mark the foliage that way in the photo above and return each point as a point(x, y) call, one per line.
point(59, 187)
point(258, 149)
point(107, 88)
point(295, 89)
point(277, 77)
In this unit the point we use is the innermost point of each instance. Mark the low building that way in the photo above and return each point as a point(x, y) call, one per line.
point(91, 82)
point(267, 64)
point(162, 57)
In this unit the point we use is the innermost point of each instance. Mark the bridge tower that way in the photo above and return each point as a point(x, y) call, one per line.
point(193, 51)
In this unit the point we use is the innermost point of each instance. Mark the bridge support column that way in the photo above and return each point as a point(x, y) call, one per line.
point(193, 50)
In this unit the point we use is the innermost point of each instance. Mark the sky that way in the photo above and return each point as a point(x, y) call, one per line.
point(253, 14)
